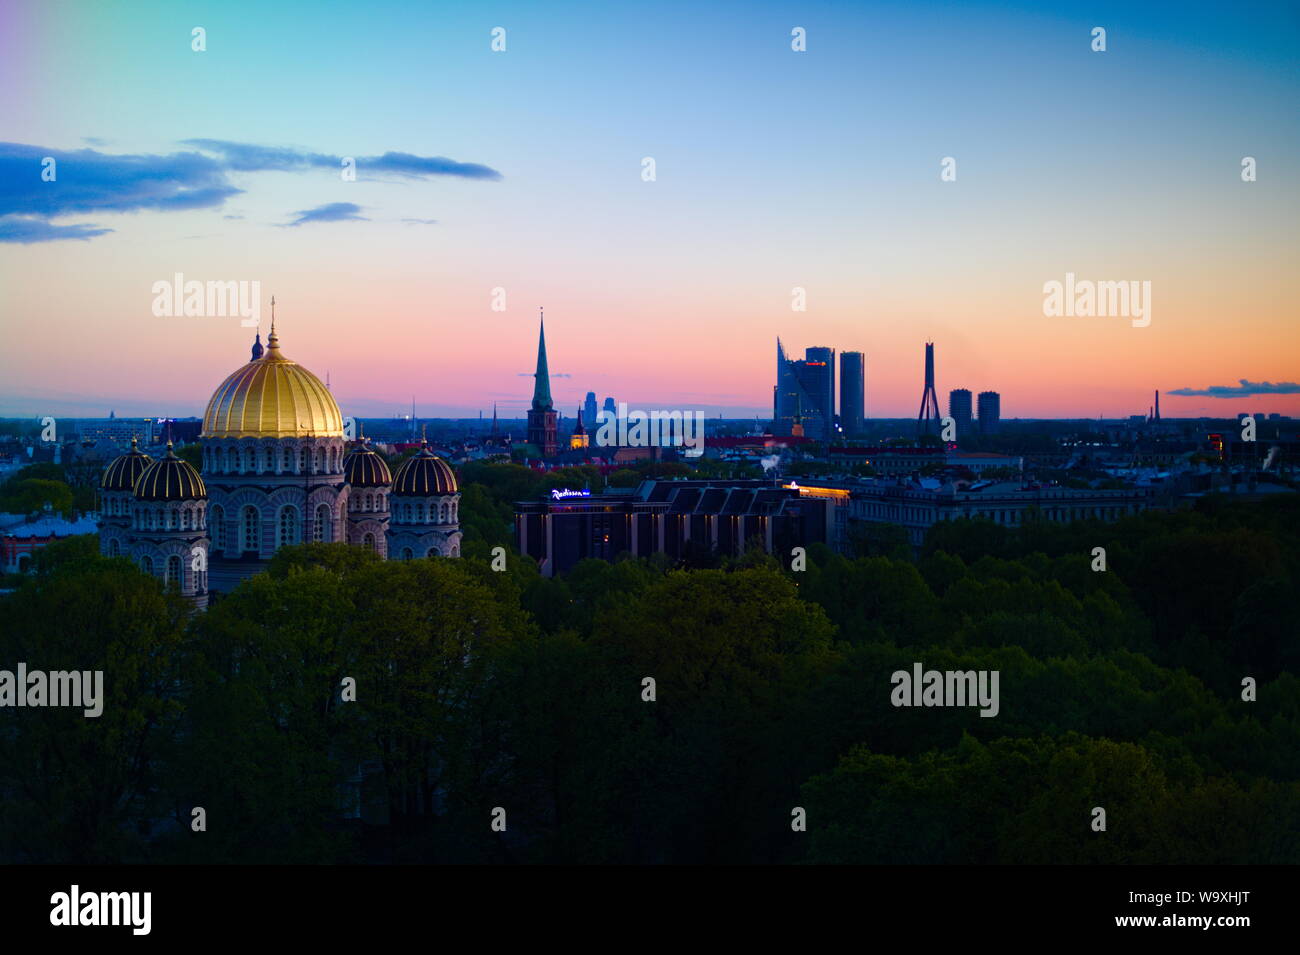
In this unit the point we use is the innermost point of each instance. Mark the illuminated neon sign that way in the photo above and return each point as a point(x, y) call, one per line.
point(559, 494)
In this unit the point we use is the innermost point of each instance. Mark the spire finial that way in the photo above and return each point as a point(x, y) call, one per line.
point(273, 340)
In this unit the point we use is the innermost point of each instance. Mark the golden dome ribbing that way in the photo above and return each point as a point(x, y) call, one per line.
point(272, 397)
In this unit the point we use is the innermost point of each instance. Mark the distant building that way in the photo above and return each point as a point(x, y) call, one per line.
point(853, 380)
point(821, 364)
point(959, 409)
point(589, 411)
point(1008, 503)
point(542, 423)
point(678, 518)
point(21, 537)
point(990, 412)
point(118, 430)
point(580, 438)
point(803, 399)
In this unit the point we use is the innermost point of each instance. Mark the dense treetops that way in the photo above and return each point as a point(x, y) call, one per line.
point(476, 689)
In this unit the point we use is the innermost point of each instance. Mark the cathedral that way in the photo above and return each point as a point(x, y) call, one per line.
point(276, 470)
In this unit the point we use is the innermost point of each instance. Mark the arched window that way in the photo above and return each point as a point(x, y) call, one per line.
point(288, 529)
point(249, 464)
point(406, 553)
point(433, 552)
point(173, 577)
point(455, 550)
point(218, 526)
point(251, 537)
point(323, 524)
point(146, 564)
point(185, 519)
point(114, 548)
point(368, 542)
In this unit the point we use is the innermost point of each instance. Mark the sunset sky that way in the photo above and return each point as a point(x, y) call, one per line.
point(775, 169)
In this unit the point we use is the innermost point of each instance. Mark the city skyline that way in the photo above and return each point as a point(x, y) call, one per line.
point(522, 171)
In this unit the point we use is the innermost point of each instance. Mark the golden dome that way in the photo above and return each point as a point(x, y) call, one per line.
point(424, 475)
point(363, 467)
point(170, 479)
point(122, 474)
point(272, 397)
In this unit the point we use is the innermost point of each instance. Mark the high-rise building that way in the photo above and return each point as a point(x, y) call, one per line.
point(990, 411)
point(803, 401)
point(610, 408)
point(817, 358)
point(927, 420)
point(589, 411)
point(853, 380)
point(542, 415)
point(959, 409)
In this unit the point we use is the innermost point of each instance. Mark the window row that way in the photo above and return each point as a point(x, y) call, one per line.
point(420, 512)
point(270, 460)
point(154, 519)
point(246, 535)
point(364, 501)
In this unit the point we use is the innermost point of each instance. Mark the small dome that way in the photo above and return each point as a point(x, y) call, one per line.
point(170, 479)
point(364, 467)
point(424, 475)
point(122, 473)
point(272, 397)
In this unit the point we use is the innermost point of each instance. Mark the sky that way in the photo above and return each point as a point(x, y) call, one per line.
point(774, 169)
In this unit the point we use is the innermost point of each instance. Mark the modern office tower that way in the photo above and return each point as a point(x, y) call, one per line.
point(803, 393)
point(589, 411)
point(611, 409)
point(853, 391)
point(817, 358)
point(990, 411)
point(927, 420)
point(542, 415)
point(959, 409)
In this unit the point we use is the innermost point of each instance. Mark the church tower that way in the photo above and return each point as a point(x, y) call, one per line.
point(542, 416)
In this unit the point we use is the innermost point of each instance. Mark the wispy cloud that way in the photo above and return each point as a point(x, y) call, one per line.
point(87, 181)
point(330, 212)
point(29, 229)
point(420, 221)
point(90, 181)
point(1244, 389)
point(249, 157)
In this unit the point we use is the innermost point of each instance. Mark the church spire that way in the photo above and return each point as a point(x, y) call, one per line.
point(257, 345)
point(542, 387)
